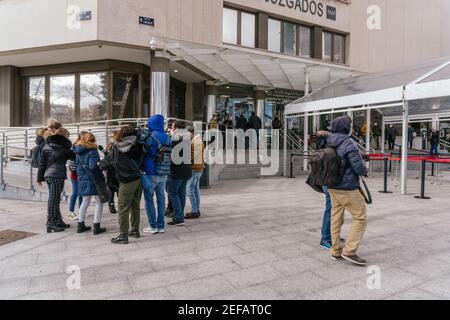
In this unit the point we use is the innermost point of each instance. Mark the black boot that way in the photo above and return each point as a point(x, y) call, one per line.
point(112, 208)
point(134, 234)
point(82, 228)
point(98, 229)
point(54, 228)
point(121, 239)
point(60, 222)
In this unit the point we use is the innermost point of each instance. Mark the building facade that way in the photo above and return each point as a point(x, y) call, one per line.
point(92, 60)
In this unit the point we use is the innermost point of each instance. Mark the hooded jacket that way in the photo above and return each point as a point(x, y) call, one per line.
point(87, 156)
point(126, 159)
point(348, 153)
point(55, 154)
point(156, 129)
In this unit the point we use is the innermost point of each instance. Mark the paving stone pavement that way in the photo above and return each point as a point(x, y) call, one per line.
point(257, 239)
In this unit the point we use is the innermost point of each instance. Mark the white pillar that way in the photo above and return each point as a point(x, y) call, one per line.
point(285, 131)
point(211, 97)
point(404, 169)
point(368, 126)
point(383, 135)
point(160, 86)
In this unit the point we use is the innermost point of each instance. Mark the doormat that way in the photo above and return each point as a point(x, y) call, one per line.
point(9, 236)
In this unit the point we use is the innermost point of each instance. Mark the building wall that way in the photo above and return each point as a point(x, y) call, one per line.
point(10, 95)
point(39, 23)
point(411, 31)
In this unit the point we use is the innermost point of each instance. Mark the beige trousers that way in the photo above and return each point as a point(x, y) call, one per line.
point(354, 202)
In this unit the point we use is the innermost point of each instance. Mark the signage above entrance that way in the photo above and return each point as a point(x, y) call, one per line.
point(147, 21)
point(313, 7)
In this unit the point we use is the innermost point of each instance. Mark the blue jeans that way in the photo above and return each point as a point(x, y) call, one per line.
point(155, 185)
point(434, 149)
point(193, 188)
point(74, 196)
point(177, 197)
point(326, 224)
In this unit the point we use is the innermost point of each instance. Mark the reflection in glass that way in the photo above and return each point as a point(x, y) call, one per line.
point(93, 97)
point(327, 43)
point(125, 95)
point(36, 101)
point(339, 49)
point(248, 22)
point(230, 24)
point(274, 35)
point(305, 42)
point(290, 38)
point(62, 98)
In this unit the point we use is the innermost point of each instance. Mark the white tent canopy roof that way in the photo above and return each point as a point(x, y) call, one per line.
point(425, 86)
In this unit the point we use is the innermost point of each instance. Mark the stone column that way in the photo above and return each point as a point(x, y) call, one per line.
point(211, 96)
point(260, 100)
point(160, 85)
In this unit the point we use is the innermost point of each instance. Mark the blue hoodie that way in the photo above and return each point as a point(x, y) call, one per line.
point(156, 129)
point(348, 153)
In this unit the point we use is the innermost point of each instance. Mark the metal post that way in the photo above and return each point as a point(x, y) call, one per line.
point(422, 182)
point(31, 171)
point(305, 141)
point(2, 154)
point(285, 145)
point(383, 135)
point(385, 162)
point(368, 126)
point(404, 154)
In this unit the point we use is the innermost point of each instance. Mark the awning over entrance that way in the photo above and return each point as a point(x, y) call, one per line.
point(230, 64)
point(426, 87)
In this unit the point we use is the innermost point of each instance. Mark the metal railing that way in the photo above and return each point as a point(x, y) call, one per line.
point(362, 145)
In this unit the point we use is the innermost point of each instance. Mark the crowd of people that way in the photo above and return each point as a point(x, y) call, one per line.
point(137, 161)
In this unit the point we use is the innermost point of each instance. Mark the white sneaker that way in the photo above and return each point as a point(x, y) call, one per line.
point(150, 231)
point(73, 216)
point(162, 230)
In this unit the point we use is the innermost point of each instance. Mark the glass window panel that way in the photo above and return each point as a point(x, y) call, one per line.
point(327, 44)
point(125, 95)
point(36, 101)
point(93, 97)
point(305, 42)
point(290, 38)
point(230, 24)
point(248, 29)
point(62, 98)
point(274, 41)
point(339, 49)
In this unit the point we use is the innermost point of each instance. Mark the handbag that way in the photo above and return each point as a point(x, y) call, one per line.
point(103, 190)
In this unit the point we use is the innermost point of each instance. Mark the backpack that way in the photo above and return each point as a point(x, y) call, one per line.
point(36, 154)
point(163, 158)
point(326, 169)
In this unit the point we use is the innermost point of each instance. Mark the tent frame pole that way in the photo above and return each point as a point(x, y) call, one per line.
point(404, 162)
point(285, 144)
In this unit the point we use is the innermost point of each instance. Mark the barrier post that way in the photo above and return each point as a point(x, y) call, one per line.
point(291, 176)
point(2, 153)
point(385, 162)
point(422, 187)
point(432, 170)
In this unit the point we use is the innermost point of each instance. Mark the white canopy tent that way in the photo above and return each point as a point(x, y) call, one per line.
point(421, 91)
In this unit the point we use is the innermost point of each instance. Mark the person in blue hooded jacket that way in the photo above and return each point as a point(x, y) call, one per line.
point(87, 161)
point(155, 182)
point(346, 195)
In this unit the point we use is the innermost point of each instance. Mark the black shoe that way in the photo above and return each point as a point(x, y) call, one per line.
point(98, 230)
point(134, 234)
point(355, 260)
point(82, 228)
point(54, 228)
point(176, 223)
point(62, 224)
point(121, 239)
point(192, 215)
point(336, 258)
point(112, 208)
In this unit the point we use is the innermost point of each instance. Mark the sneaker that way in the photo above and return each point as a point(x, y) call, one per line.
point(151, 230)
point(336, 258)
point(325, 245)
point(161, 230)
point(175, 223)
point(134, 234)
point(73, 216)
point(355, 260)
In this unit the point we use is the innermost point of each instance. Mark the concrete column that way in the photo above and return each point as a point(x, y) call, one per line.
point(404, 169)
point(369, 125)
point(306, 125)
point(160, 85)
point(383, 135)
point(189, 104)
point(10, 97)
point(260, 100)
point(211, 103)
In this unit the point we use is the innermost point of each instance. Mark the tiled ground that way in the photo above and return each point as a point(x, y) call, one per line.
point(258, 239)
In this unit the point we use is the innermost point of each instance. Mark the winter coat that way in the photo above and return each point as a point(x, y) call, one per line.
point(197, 154)
point(87, 160)
point(376, 131)
point(348, 153)
point(241, 123)
point(55, 154)
point(276, 124)
point(156, 129)
point(435, 138)
point(255, 123)
point(410, 134)
point(391, 134)
point(126, 159)
point(111, 178)
point(181, 171)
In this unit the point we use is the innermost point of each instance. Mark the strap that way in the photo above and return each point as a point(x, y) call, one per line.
point(367, 198)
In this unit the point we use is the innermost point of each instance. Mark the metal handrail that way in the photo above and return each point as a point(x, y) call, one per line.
point(362, 144)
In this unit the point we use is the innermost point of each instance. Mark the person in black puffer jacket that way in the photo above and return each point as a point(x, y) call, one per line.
point(126, 159)
point(52, 169)
point(346, 195)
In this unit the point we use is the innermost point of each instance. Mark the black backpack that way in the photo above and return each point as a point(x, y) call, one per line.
point(326, 169)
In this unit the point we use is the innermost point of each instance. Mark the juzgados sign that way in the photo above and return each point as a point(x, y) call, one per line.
point(305, 6)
